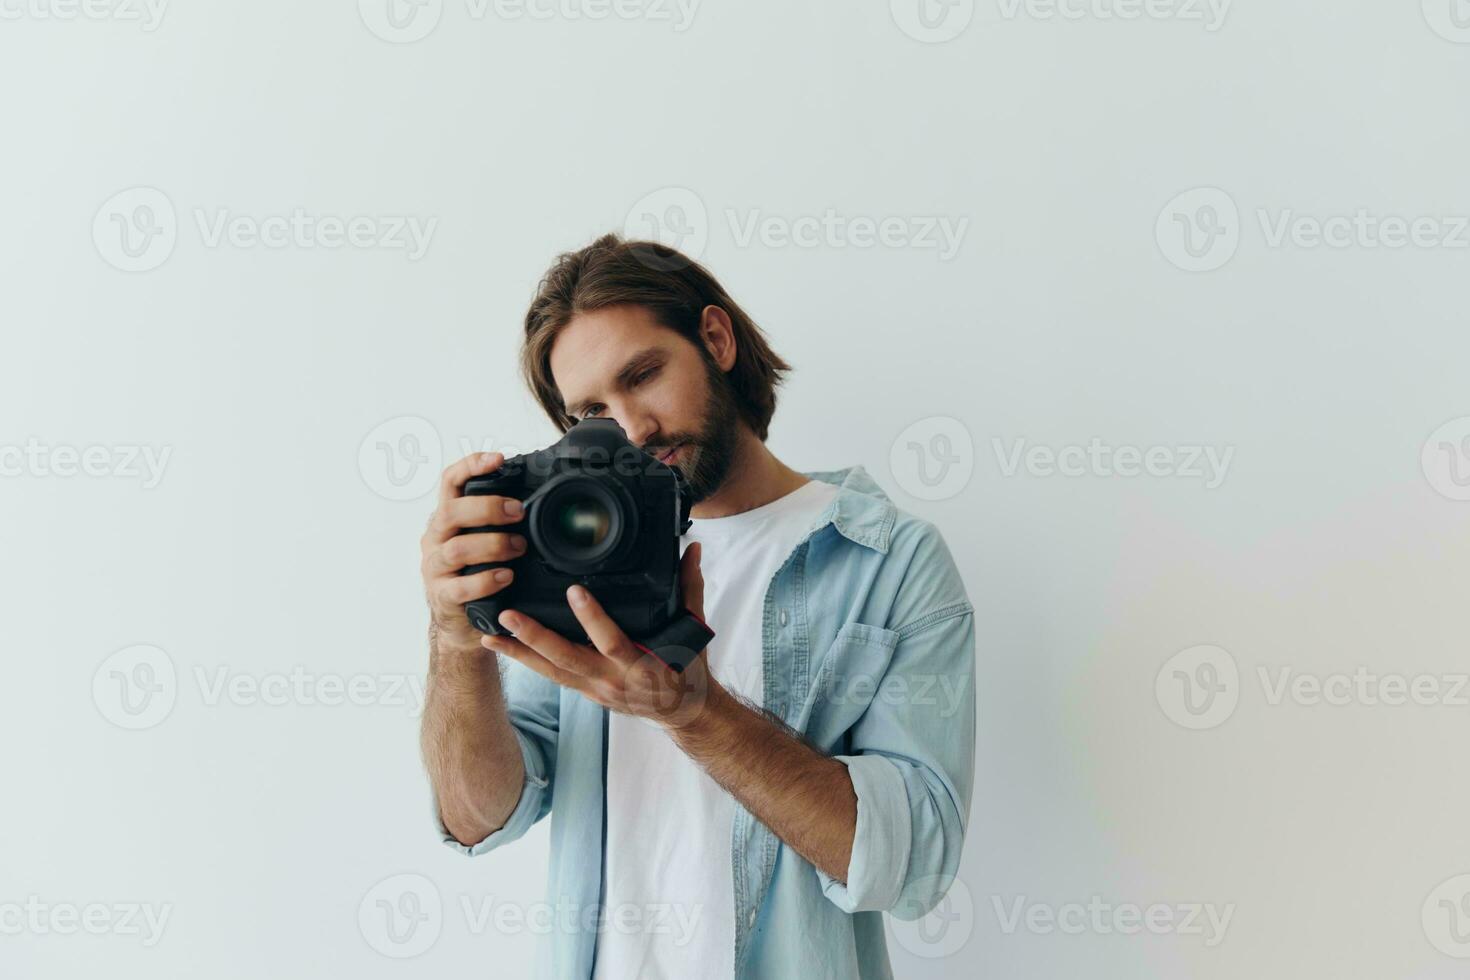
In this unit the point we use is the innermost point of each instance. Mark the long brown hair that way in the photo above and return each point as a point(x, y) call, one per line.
point(671, 286)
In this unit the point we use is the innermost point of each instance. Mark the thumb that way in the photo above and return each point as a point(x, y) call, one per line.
point(691, 580)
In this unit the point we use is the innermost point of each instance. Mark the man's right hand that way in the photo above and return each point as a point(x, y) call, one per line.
point(446, 551)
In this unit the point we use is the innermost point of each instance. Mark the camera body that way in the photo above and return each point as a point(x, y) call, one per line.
point(599, 512)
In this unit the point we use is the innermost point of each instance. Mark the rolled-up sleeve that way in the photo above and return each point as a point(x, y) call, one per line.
point(533, 705)
point(912, 762)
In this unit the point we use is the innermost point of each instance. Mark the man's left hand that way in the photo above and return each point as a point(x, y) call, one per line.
point(612, 670)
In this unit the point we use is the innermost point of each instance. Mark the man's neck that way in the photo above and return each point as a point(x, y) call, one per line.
point(756, 478)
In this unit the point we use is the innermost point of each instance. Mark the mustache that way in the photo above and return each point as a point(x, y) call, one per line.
point(659, 449)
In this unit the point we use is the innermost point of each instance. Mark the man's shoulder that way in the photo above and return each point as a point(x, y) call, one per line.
point(863, 511)
point(853, 479)
point(917, 568)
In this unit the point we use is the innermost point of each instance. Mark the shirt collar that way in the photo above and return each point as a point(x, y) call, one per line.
point(861, 511)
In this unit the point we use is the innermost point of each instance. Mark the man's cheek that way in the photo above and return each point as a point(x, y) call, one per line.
point(677, 406)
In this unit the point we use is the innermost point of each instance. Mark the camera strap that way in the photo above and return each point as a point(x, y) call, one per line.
point(679, 642)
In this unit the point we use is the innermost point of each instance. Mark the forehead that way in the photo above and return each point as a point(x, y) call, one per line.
point(591, 348)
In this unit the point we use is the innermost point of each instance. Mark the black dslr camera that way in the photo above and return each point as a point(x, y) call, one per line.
point(602, 513)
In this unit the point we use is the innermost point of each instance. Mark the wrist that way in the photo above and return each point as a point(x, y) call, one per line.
point(454, 651)
point(451, 631)
point(710, 716)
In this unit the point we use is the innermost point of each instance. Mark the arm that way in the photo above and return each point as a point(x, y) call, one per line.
point(884, 824)
point(805, 797)
point(470, 748)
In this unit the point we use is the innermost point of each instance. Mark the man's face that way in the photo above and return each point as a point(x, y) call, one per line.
point(669, 397)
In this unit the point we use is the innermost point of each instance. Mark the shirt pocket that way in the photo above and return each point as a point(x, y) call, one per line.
point(848, 678)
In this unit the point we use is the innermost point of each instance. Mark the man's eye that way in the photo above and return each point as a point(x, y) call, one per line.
point(590, 411)
point(646, 375)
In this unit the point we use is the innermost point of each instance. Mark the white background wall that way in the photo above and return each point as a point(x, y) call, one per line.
point(270, 550)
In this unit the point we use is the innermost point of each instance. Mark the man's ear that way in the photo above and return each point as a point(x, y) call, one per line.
point(718, 335)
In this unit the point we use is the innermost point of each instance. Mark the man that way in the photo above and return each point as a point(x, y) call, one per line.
point(816, 770)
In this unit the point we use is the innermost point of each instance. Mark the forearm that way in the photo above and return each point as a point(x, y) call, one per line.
point(469, 746)
point(805, 797)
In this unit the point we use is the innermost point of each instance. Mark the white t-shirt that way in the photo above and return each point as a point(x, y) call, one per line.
point(670, 894)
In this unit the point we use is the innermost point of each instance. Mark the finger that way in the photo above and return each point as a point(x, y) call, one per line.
point(459, 589)
point(473, 549)
point(477, 510)
point(522, 654)
point(691, 580)
point(475, 464)
point(550, 644)
point(606, 635)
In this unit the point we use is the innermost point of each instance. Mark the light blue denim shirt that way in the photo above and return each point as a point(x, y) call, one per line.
point(869, 652)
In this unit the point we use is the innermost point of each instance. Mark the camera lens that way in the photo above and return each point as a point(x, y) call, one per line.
point(583, 521)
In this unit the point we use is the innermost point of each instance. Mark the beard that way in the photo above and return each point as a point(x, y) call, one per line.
point(709, 454)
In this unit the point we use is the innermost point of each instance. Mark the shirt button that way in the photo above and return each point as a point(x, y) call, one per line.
point(783, 617)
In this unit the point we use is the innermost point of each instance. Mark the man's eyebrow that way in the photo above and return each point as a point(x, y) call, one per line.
point(639, 362)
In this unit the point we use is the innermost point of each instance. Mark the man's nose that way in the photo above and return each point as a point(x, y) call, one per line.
point(640, 429)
